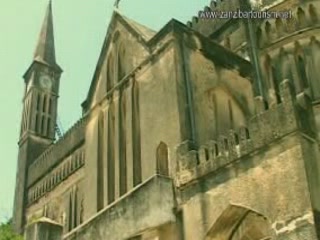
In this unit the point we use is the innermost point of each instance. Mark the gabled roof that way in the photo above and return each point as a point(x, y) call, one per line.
point(142, 33)
point(149, 39)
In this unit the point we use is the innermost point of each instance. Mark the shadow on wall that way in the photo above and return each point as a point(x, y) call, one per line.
point(237, 222)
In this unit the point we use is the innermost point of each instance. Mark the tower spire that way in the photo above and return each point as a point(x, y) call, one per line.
point(45, 50)
point(42, 80)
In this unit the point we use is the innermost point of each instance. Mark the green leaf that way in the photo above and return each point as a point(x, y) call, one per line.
point(7, 233)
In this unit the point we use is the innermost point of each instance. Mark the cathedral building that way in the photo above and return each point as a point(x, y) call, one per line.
point(207, 130)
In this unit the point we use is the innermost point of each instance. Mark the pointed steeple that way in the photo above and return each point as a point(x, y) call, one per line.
point(45, 50)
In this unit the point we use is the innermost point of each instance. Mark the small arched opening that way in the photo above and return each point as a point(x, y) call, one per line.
point(162, 159)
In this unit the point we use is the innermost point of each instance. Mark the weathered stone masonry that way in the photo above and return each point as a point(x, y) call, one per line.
point(205, 131)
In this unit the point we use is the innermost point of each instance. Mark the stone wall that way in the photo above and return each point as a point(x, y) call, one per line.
point(272, 182)
point(264, 167)
point(148, 206)
point(72, 139)
point(56, 176)
point(262, 129)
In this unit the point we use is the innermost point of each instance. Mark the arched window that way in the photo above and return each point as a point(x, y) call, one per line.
point(121, 55)
point(111, 153)
point(162, 159)
point(44, 106)
point(100, 170)
point(48, 126)
point(43, 125)
point(122, 142)
point(81, 212)
point(75, 208)
point(50, 106)
point(36, 125)
point(38, 102)
point(110, 72)
point(70, 213)
point(136, 138)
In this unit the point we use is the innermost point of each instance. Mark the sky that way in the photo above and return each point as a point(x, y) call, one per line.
point(80, 28)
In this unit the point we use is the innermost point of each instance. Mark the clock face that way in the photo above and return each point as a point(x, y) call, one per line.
point(45, 82)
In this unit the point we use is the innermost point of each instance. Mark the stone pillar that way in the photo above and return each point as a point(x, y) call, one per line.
point(44, 229)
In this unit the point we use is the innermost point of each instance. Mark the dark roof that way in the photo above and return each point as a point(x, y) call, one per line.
point(142, 33)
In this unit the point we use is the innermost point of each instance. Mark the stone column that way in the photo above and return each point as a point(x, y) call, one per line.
point(44, 229)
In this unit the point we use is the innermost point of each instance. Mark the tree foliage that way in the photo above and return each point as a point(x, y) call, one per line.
point(7, 233)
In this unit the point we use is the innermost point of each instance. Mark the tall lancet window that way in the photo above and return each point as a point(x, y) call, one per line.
point(122, 142)
point(136, 138)
point(44, 115)
point(111, 153)
point(38, 113)
point(100, 151)
point(70, 206)
point(121, 73)
point(73, 209)
point(110, 72)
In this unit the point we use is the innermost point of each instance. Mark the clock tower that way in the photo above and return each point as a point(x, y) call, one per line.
point(39, 114)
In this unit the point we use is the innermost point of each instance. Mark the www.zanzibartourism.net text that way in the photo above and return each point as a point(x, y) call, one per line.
point(244, 14)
